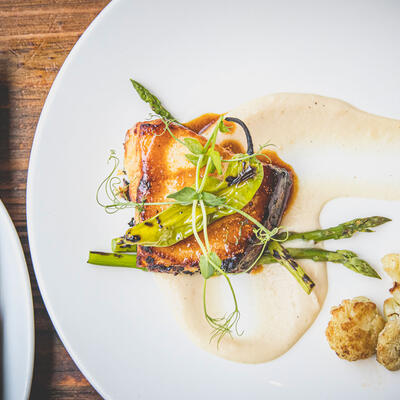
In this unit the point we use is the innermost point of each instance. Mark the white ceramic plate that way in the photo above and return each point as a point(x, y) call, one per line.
point(198, 57)
point(16, 314)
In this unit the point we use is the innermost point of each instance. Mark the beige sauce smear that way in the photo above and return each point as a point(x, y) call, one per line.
point(337, 151)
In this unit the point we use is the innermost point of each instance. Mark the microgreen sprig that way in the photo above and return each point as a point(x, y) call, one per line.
point(112, 190)
point(259, 153)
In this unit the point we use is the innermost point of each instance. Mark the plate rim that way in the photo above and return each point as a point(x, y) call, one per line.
point(29, 194)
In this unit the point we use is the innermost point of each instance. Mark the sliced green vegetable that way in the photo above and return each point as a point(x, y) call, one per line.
point(119, 245)
point(174, 224)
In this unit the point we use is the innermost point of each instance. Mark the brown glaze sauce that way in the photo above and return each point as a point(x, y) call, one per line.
point(233, 145)
point(201, 123)
point(257, 269)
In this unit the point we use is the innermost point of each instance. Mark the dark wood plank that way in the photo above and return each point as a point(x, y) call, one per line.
point(35, 38)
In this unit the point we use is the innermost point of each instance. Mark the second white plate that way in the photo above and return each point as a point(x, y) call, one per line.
point(16, 314)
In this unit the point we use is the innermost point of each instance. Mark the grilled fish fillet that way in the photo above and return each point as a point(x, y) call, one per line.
point(156, 166)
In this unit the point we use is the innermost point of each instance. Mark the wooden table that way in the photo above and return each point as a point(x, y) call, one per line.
point(35, 38)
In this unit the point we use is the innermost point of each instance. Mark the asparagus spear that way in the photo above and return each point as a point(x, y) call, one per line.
point(154, 103)
point(113, 259)
point(282, 256)
point(342, 231)
point(345, 257)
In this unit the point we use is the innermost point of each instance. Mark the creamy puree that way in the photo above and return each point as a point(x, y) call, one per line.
point(336, 150)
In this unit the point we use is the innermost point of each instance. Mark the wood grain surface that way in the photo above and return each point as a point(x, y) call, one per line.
point(35, 38)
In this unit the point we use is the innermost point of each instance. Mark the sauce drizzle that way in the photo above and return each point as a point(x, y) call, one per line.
point(201, 123)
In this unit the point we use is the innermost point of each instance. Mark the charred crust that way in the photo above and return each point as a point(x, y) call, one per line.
point(125, 246)
point(245, 174)
point(276, 255)
point(229, 264)
point(144, 184)
point(307, 279)
point(146, 125)
point(293, 264)
point(159, 268)
point(187, 272)
point(396, 286)
point(132, 238)
point(165, 269)
point(132, 222)
point(102, 253)
point(153, 127)
point(149, 260)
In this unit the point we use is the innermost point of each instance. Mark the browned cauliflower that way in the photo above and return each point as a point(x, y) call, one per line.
point(391, 265)
point(395, 291)
point(388, 348)
point(391, 308)
point(354, 328)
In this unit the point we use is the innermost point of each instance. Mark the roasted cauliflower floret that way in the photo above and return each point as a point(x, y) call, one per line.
point(391, 265)
point(395, 291)
point(354, 328)
point(391, 308)
point(388, 348)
